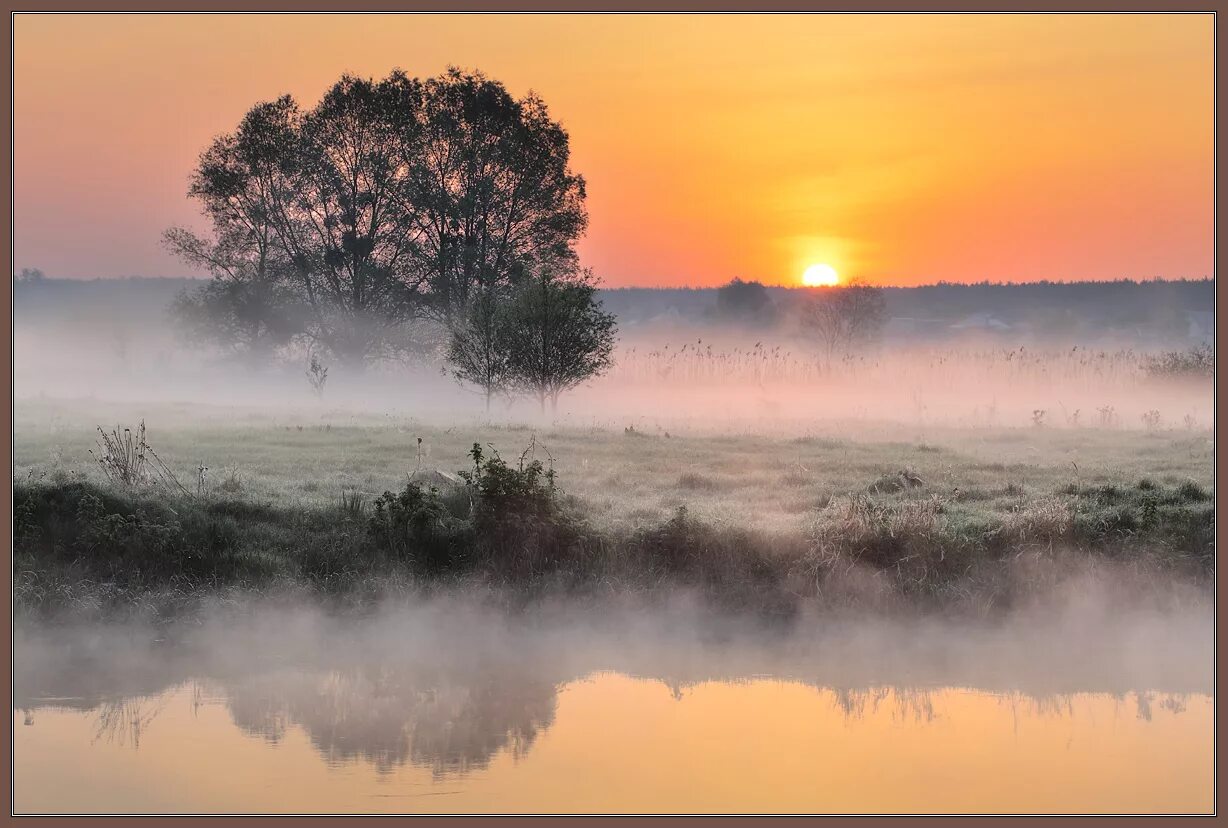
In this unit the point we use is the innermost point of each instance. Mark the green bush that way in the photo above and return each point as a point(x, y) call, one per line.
point(416, 527)
point(504, 495)
point(521, 523)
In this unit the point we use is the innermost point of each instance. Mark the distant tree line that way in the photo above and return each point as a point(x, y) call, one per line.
point(396, 217)
point(1150, 310)
point(28, 276)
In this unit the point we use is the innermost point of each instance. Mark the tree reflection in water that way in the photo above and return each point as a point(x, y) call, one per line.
point(450, 689)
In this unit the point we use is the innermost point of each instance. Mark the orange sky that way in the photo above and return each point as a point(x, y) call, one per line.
point(899, 148)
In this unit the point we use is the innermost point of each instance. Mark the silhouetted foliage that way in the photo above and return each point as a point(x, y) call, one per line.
point(557, 335)
point(389, 201)
point(416, 526)
point(745, 302)
point(477, 351)
point(502, 493)
point(1159, 311)
point(250, 317)
point(492, 189)
point(845, 317)
point(249, 307)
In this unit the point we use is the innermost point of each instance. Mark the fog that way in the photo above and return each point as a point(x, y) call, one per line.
point(117, 344)
point(449, 681)
point(266, 658)
point(112, 351)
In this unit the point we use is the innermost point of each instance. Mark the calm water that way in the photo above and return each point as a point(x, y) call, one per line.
point(400, 714)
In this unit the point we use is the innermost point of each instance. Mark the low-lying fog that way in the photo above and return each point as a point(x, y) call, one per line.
point(1080, 640)
point(697, 377)
point(1080, 705)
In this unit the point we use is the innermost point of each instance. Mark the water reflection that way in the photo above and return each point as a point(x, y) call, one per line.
point(373, 701)
point(122, 720)
point(392, 714)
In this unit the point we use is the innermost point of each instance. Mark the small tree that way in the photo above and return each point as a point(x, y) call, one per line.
point(557, 335)
point(478, 350)
point(845, 317)
point(745, 302)
point(317, 375)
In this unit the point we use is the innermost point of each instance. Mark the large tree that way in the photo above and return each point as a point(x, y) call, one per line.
point(388, 201)
point(557, 335)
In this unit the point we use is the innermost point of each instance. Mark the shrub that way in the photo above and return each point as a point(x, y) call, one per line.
point(416, 526)
point(503, 495)
point(100, 535)
point(124, 456)
point(521, 524)
point(1192, 492)
point(735, 566)
point(128, 460)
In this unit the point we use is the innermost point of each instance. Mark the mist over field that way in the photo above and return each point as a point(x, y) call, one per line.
point(978, 355)
point(723, 448)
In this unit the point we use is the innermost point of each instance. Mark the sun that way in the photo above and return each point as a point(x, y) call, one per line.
point(820, 275)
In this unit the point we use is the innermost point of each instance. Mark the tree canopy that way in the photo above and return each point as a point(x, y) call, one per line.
point(389, 202)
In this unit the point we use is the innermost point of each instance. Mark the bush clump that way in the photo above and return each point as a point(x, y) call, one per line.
point(416, 527)
point(510, 524)
point(508, 520)
point(523, 527)
point(895, 482)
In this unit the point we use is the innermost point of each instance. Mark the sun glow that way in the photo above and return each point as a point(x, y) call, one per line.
point(820, 275)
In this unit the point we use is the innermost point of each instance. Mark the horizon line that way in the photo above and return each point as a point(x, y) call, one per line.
point(777, 285)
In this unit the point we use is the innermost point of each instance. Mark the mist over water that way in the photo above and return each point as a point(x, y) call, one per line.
point(450, 696)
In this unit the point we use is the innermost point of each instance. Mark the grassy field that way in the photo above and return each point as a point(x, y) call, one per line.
point(930, 512)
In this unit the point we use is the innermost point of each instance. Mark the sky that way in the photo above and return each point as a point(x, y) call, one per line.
point(898, 149)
